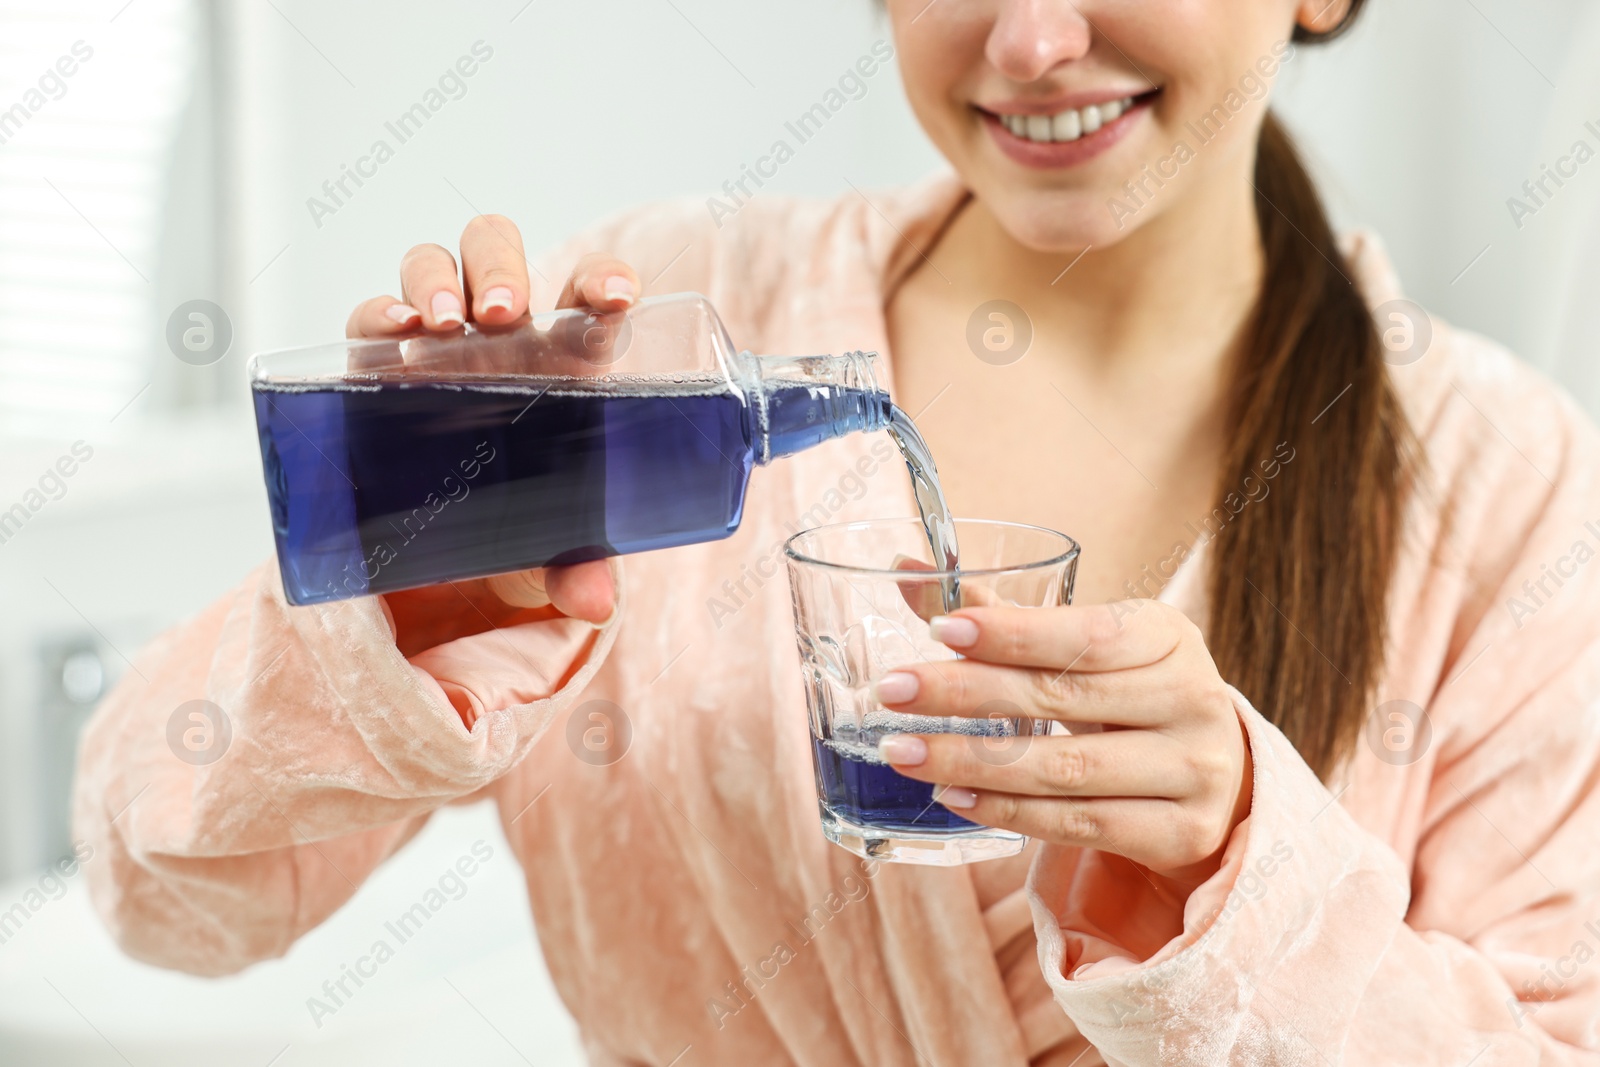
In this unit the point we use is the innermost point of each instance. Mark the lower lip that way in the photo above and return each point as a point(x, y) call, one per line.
point(1062, 154)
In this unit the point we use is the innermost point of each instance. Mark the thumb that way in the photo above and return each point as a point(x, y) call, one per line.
point(584, 591)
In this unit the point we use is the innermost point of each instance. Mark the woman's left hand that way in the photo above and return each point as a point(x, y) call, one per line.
point(1164, 784)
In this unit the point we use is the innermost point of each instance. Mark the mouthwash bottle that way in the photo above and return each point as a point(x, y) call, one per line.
point(572, 436)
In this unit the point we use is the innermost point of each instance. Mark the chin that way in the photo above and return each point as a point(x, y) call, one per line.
point(1058, 222)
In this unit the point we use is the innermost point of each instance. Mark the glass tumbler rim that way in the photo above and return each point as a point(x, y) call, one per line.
point(1070, 552)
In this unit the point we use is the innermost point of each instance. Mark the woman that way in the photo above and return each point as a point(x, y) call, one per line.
point(1332, 599)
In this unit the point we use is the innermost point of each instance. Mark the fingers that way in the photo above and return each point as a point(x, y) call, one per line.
point(1122, 763)
point(496, 269)
point(602, 282)
point(581, 591)
point(522, 589)
point(600, 339)
point(925, 597)
point(975, 595)
point(1099, 637)
point(428, 283)
point(969, 688)
point(495, 287)
point(1153, 832)
point(382, 316)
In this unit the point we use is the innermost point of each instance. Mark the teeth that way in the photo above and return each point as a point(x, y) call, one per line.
point(1068, 125)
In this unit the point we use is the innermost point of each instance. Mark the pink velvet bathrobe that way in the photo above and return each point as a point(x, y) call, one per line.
point(1439, 904)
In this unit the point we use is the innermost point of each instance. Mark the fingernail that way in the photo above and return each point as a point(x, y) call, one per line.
point(402, 313)
point(498, 297)
point(896, 687)
point(908, 750)
point(447, 308)
point(619, 288)
point(953, 630)
point(953, 796)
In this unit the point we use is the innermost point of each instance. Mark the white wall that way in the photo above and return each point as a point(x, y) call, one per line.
point(1427, 118)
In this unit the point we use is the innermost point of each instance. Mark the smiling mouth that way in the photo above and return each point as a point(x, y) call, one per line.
point(1071, 124)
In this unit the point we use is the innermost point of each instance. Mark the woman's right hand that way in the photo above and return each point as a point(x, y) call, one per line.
point(492, 288)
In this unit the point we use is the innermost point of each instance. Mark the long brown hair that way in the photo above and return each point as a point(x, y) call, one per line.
point(1299, 587)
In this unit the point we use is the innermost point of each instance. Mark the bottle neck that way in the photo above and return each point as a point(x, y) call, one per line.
point(798, 402)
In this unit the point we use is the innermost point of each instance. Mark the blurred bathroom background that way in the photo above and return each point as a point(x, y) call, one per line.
point(174, 164)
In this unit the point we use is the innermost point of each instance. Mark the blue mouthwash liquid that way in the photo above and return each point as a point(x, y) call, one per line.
point(858, 786)
point(389, 484)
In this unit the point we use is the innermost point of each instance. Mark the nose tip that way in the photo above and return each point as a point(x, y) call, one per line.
point(1033, 37)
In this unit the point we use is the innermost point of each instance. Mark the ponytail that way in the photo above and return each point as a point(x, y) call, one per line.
point(1299, 588)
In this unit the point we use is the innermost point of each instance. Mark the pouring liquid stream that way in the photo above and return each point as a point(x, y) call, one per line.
point(937, 522)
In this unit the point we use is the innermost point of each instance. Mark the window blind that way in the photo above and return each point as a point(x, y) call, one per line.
point(90, 100)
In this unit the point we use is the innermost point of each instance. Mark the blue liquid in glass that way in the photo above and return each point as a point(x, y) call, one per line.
point(390, 484)
point(859, 787)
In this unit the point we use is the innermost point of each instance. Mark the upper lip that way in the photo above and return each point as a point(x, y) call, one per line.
point(1063, 102)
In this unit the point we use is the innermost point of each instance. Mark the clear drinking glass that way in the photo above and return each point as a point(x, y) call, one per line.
point(863, 594)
